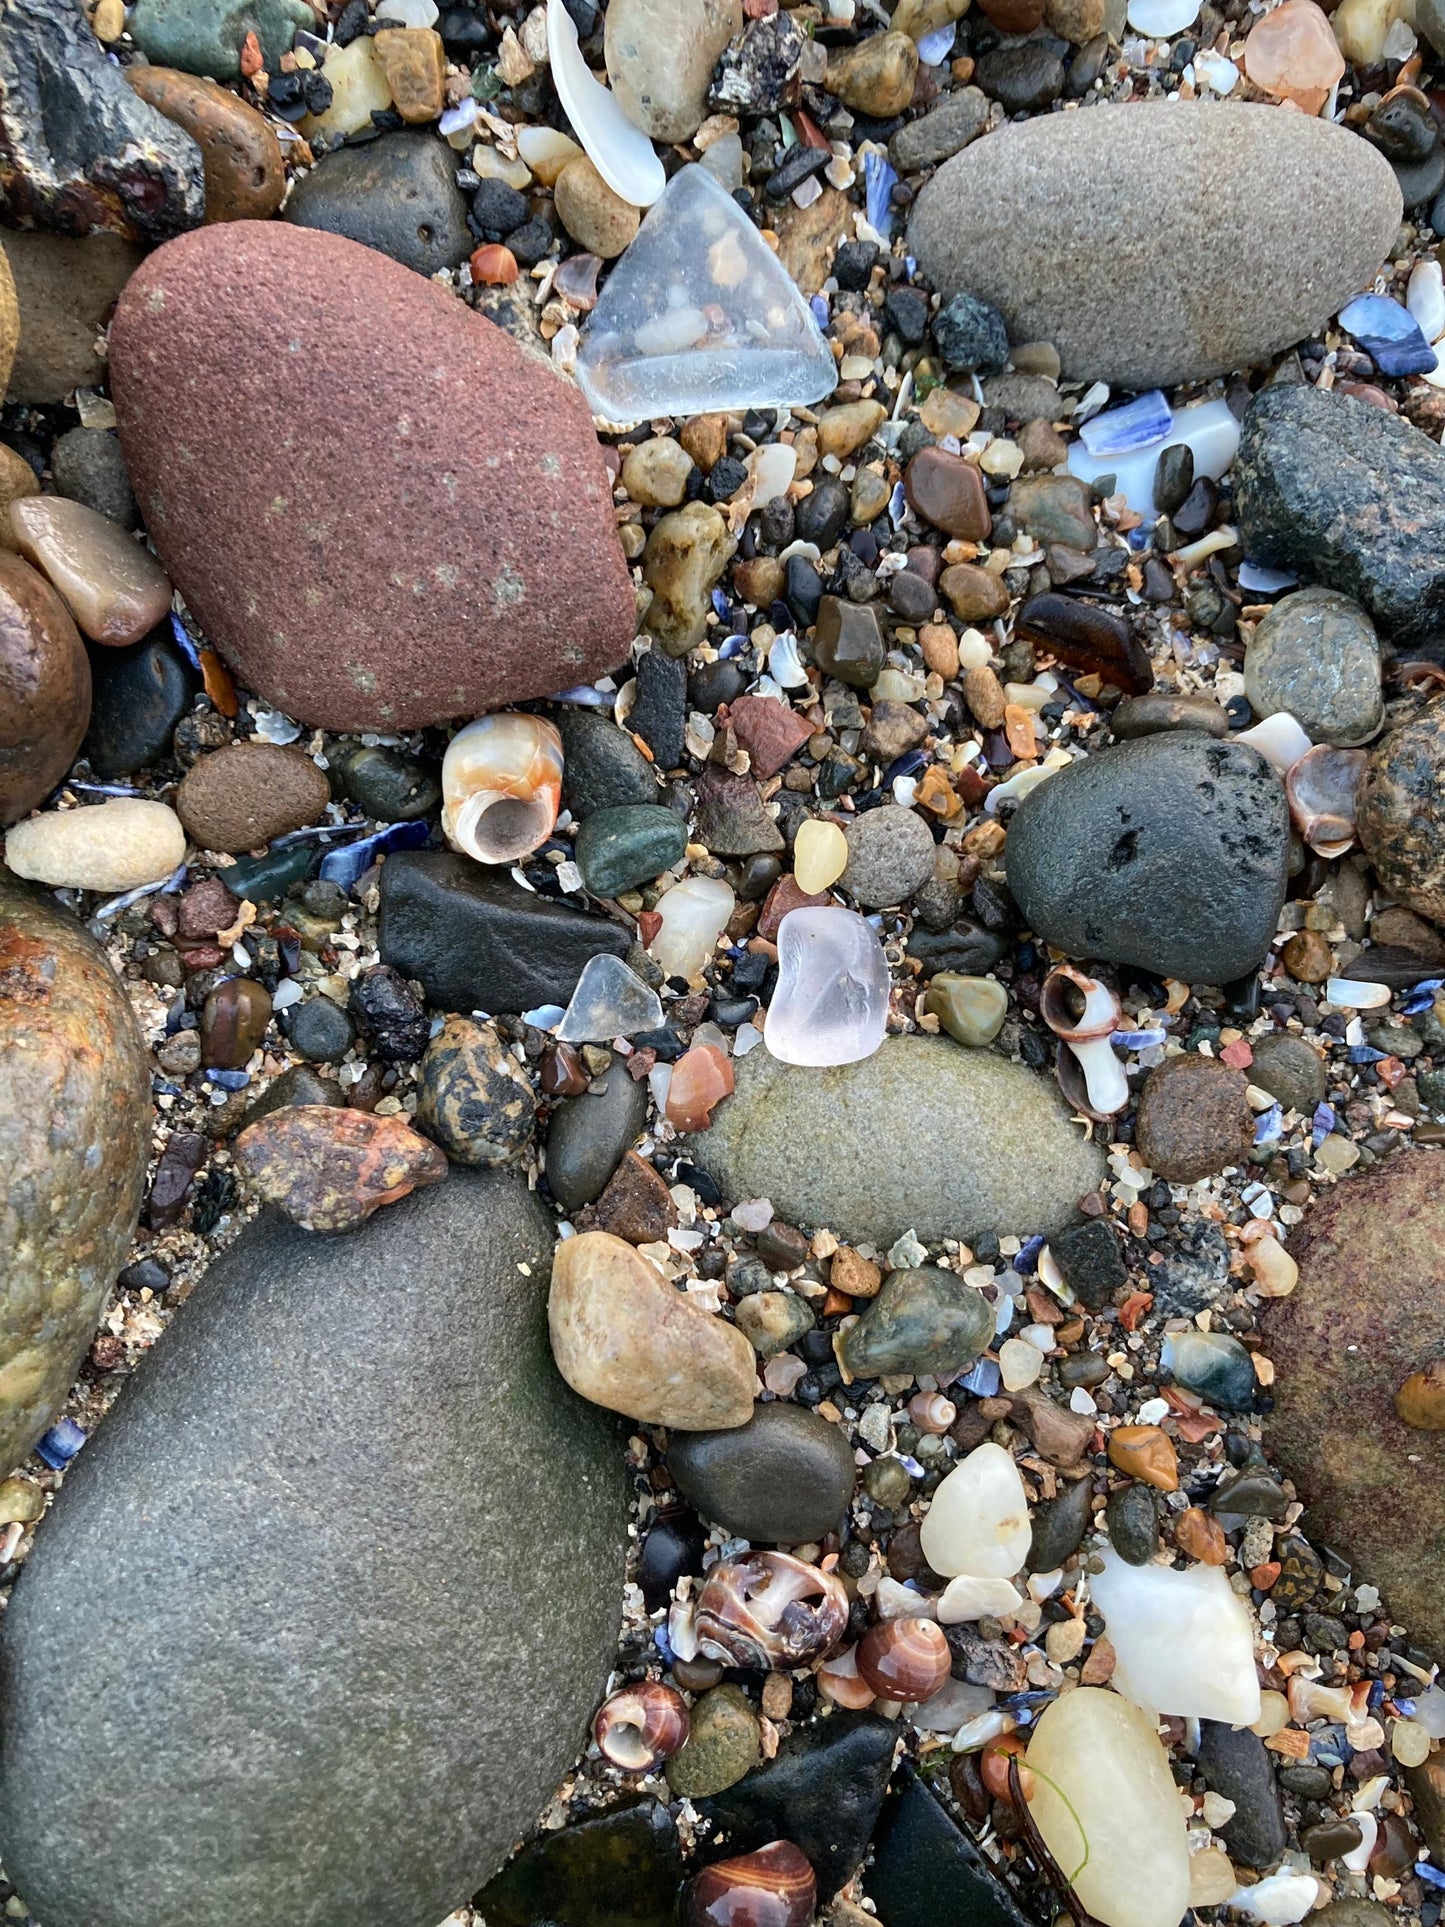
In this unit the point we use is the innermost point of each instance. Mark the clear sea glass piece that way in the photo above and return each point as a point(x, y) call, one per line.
point(610, 1001)
point(831, 1003)
point(621, 153)
point(700, 315)
point(1211, 430)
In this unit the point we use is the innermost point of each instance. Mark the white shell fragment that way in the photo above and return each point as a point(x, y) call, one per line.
point(968, 1597)
point(1279, 1901)
point(978, 1522)
point(1279, 739)
point(831, 1003)
point(1182, 1639)
point(621, 153)
point(700, 315)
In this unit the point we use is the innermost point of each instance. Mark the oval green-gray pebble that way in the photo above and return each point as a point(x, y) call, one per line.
point(972, 1009)
point(630, 843)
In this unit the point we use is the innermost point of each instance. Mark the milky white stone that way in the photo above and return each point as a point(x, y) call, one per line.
point(621, 153)
point(694, 915)
point(1425, 298)
point(820, 856)
point(1020, 1363)
point(954, 1703)
point(978, 1522)
point(1347, 993)
point(610, 1001)
point(1161, 18)
point(968, 1598)
point(772, 468)
point(1183, 1640)
point(1279, 739)
point(1219, 74)
point(1210, 430)
point(1279, 1901)
point(111, 846)
point(1108, 1809)
point(831, 1003)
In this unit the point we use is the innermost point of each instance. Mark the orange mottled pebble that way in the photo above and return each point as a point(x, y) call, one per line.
point(1134, 1308)
point(1138, 1217)
point(1291, 1741)
point(1264, 1576)
point(251, 61)
point(936, 793)
point(494, 265)
point(1147, 1453)
point(1201, 1536)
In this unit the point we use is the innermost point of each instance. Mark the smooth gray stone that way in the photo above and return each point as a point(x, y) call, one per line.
point(398, 195)
point(589, 1135)
point(784, 1478)
point(1316, 656)
point(328, 1599)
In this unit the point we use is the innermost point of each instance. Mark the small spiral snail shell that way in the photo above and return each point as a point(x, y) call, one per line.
point(1323, 787)
point(1083, 1013)
point(774, 1887)
point(904, 1659)
point(932, 1412)
point(501, 787)
point(641, 1726)
point(770, 1611)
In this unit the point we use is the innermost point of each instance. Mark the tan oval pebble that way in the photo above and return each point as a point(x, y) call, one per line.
point(240, 797)
point(110, 582)
point(17, 480)
point(113, 846)
point(596, 218)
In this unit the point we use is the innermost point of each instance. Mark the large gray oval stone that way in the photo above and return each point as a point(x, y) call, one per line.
point(1167, 853)
point(326, 1603)
point(922, 1136)
point(1141, 240)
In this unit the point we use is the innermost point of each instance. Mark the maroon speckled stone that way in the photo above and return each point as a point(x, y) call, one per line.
point(383, 513)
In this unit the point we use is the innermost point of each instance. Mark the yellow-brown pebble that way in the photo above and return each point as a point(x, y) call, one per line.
point(1145, 1453)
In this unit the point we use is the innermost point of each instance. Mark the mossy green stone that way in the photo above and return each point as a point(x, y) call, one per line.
point(723, 1744)
point(618, 848)
point(925, 1320)
point(205, 36)
point(972, 1009)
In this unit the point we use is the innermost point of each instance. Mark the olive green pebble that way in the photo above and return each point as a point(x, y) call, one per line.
point(773, 1320)
point(21, 1502)
point(924, 1320)
point(723, 1744)
point(628, 844)
point(972, 1009)
point(887, 1483)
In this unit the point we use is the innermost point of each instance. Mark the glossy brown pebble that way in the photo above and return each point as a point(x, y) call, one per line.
point(1420, 1401)
point(1193, 1118)
point(44, 688)
point(233, 1023)
point(330, 1169)
point(1307, 957)
point(1200, 1535)
point(17, 481)
point(240, 154)
point(487, 567)
point(1145, 1453)
point(948, 492)
point(240, 797)
point(774, 1887)
point(1087, 637)
point(904, 1659)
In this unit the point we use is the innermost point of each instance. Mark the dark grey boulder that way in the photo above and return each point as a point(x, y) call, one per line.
point(782, 1479)
point(326, 1603)
point(398, 195)
point(1167, 853)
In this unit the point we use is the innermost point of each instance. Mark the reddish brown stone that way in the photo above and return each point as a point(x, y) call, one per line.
point(378, 508)
point(241, 156)
point(330, 1169)
point(241, 796)
point(783, 897)
point(1087, 637)
point(637, 1204)
point(948, 492)
point(44, 688)
point(770, 732)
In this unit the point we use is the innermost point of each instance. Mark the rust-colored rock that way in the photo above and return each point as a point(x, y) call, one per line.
point(1194, 1118)
point(637, 1204)
point(948, 492)
point(240, 154)
point(1145, 1453)
point(44, 688)
point(241, 796)
point(462, 552)
point(330, 1169)
point(1087, 637)
point(771, 732)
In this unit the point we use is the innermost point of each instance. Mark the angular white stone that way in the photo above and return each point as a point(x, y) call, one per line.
point(610, 1001)
point(831, 1003)
point(968, 1598)
point(1279, 1901)
point(621, 153)
point(978, 1522)
point(1183, 1640)
point(699, 315)
point(1108, 1809)
point(694, 915)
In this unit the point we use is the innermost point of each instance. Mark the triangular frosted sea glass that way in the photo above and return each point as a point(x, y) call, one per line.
point(700, 315)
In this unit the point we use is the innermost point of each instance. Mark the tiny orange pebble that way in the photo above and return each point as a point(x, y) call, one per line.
point(1264, 1576)
point(1131, 1312)
point(218, 685)
point(494, 265)
point(250, 56)
point(649, 922)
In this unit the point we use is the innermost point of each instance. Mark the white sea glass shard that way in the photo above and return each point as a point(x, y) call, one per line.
point(831, 1003)
point(1182, 1640)
point(610, 1001)
point(700, 315)
point(621, 153)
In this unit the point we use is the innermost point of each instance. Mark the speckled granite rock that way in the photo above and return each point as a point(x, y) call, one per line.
point(234, 1691)
point(486, 566)
point(1162, 202)
point(1369, 1309)
point(1401, 812)
point(74, 1139)
point(1167, 852)
point(1352, 497)
point(887, 1124)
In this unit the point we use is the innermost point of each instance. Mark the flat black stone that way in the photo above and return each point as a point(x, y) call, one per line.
point(784, 1478)
point(590, 1133)
point(602, 766)
point(476, 940)
point(623, 1867)
point(927, 1872)
point(1088, 1256)
point(660, 712)
point(138, 695)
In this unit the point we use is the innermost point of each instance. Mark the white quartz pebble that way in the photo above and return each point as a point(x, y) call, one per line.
point(1279, 739)
point(1182, 1640)
point(1425, 298)
point(112, 846)
point(694, 915)
point(831, 1003)
point(978, 1522)
point(1280, 1900)
point(968, 1598)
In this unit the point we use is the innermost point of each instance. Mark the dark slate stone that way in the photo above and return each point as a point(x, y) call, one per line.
point(476, 940)
point(137, 697)
point(660, 712)
point(388, 785)
point(589, 1135)
point(299, 1085)
point(823, 1792)
point(1352, 497)
point(1089, 1259)
point(1059, 1525)
point(234, 1691)
point(1168, 853)
point(927, 1872)
point(1237, 1765)
point(398, 195)
point(967, 948)
point(602, 766)
point(319, 1030)
point(622, 1866)
point(784, 1478)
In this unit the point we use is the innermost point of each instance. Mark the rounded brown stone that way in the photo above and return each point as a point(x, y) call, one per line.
point(239, 797)
point(240, 154)
point(44, 688)
point(1193, 1118)
point(65, 286)
point(1401, 812)
point(417, 523)
point(948, 492)
point(1367, 1313)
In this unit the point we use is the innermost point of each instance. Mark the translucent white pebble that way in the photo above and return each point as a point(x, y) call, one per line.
point(1108, 1809)
point(831, 1003)
point(1425, 298)
point(954, 1703)
point(1430, 1712)
point(1278, 1901)
point(610, 1001)
point(772, 468)
point(694, 915)
point(1210, 429)
point(1347, 994)
point(621, 153)
point(1278, 739)
point(1182, 1639)
point(1158, 19)
point(968, 1598)
point(1219, 74)
point(978, 1522)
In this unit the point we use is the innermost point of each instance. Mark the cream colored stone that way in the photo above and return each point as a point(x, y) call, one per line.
point(113, 846)
point(358, 90)
point(110, 582)
point(820, 856)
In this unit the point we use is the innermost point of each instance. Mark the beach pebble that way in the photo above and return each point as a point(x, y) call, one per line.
point(1315, 655)
point(660, 56)
point(240, 797)
point(112, 584)
point(890, 853)
point(475, 1100)
point(328, 1170)
point(1193, 1118)
point(45, 676)
point(1401, 815)
point(112, 846)
point(783, 1478)
point(398, 194)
